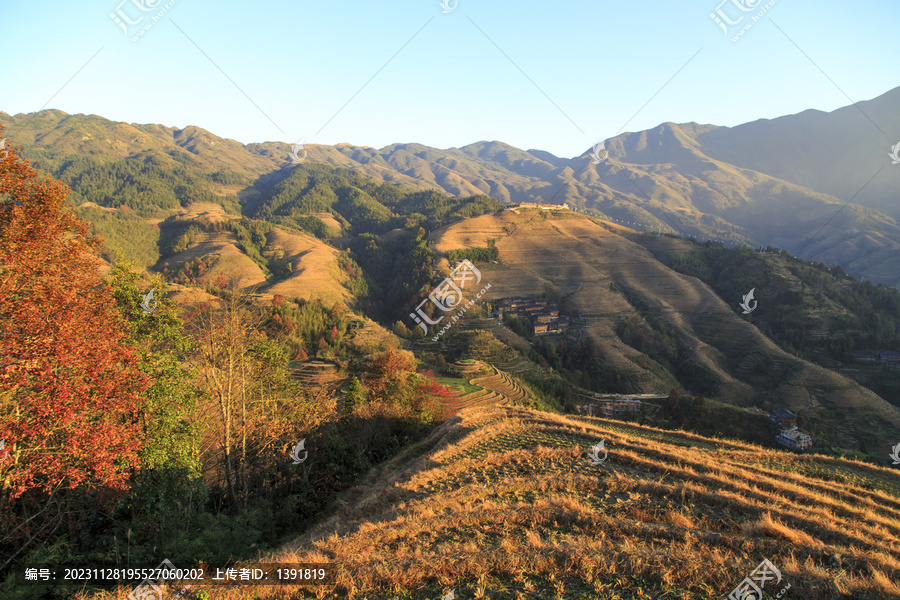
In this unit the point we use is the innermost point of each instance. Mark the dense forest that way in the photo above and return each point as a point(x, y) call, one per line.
point(145, 183)
point(361, 205)
point(858, 314)
point(823, 314)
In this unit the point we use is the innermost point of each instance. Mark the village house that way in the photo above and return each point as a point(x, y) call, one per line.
point(611, 405)
point(543, 315)
point(886, 358)
point(890, 359)
point(794, 438)
point(564, 205)
point(785, 418)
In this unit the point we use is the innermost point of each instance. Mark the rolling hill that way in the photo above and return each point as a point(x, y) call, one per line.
point(201, 209)
point(818, 184)
point(503, 502)
point(612, 277)
point(603, 271)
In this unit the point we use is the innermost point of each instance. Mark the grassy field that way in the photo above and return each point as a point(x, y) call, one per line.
point(503, 502)
point(458, 385)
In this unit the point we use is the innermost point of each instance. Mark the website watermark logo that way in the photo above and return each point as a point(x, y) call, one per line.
point(451, 595)
point(449, 5)
point(448, 297)
point(746, 303)
point(295, 454)
point(594, 456)
point(751, 588)
point(599, 153)
point(145, 305)
point(4, 152)
point(895, 153)
point(4, 453)
point(295, 152)
point(896, 454)
point(149, 588)
point(722, 18)
point(124, 20)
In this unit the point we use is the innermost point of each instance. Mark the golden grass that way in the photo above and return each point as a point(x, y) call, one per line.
point(581, 258)
point(315, 270)
point(501, 502)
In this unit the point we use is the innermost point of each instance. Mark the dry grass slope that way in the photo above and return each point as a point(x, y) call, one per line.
point(585, 262)
point(501, 502)
point(315, 270)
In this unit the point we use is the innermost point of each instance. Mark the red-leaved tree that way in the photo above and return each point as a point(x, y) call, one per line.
point(388, 374)
point(434, 399)
point(70, 389)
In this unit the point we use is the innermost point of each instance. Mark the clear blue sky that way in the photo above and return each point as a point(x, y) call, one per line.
point(551, 76)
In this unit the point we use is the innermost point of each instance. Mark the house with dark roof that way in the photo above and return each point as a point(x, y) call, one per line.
point(541, 313)
point(866, 355)
point(890, 359)
point(785, 418)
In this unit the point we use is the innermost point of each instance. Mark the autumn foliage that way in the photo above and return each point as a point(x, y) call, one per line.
point(70, 389)
point(389, 370)
point(433, 395)
point(393, 380)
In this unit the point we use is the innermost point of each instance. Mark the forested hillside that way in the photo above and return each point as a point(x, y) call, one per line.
point(143, 426)
point(699, 180)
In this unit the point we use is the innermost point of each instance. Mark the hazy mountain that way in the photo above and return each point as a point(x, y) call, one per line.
point(784, 182)
point(356, 235)
point(834, 153)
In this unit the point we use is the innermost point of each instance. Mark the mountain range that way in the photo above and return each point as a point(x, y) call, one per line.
point(820, 185)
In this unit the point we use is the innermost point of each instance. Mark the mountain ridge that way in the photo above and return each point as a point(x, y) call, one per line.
point(774, 182)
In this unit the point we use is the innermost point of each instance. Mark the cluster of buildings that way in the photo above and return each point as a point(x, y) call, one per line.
point(887, 358)
point(613, 405)
point(790, 436)
point(542, 315)
point(540, 206)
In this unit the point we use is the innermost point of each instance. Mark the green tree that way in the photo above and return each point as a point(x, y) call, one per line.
point(168, 489)
point(354, 396)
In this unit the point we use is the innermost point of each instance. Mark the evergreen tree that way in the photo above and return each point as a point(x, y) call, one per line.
point(354, 396)
point(170, 457)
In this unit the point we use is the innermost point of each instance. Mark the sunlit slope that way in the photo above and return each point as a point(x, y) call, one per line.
point(668, 177)
point(504, 502)
point(314, 271)
point(608, 277)
point(218, 250)
point(820, 185)
point(51, 135)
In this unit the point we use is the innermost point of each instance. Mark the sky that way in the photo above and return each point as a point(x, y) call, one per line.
point(537, 75)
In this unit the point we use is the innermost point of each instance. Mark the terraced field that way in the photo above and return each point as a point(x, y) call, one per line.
point(503, 502)
point(494, 388)
point(613, 278)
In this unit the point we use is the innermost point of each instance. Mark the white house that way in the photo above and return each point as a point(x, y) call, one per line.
point(794, 438)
